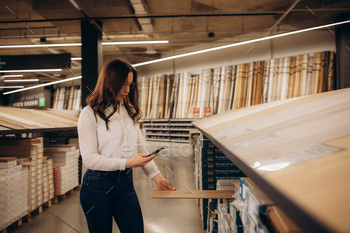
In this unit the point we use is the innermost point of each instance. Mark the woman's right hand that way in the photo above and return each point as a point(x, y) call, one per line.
point(139, 161)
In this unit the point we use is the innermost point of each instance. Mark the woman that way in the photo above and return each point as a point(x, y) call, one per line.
point(111, 145)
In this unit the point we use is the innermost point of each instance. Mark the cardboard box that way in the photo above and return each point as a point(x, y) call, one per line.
point(69, 147)
point(8, 162)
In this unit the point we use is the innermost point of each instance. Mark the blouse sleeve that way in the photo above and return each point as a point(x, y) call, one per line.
point(150, 169)
point(88, 144)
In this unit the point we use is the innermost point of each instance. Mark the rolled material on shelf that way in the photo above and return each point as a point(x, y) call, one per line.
point(221, 101)
point(150, 93)
point(160, 112)
point(330, 78)
point(233, 87)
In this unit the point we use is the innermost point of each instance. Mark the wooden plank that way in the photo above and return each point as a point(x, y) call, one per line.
point(299, 124)
point(194, 194)
point(307, 177)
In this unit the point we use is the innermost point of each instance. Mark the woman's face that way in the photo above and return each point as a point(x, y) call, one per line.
point(125, 89)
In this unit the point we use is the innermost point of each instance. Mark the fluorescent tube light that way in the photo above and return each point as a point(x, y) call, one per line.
point(38, 45)
point(21, 80)
point(42, 85)
point(239, 43)
point(13, 75)
point(25, 71)
point(79, 44)
point(11, 86)
point(136, 42)
point(76, 59)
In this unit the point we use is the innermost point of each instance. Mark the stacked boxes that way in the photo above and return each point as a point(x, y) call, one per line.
point(13, 194)
point(47, 186)
point(211, 165)
point(65, 160)
point(26, 149)
point(256, 203)
point(228, 215)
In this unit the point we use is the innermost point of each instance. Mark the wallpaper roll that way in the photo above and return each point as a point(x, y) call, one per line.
point(250, 83)
point(304, 74)
point(285, 78)
point(259, 83)
point(161, 109)
point(309, 75)
point(150, 93)
point(222, 101)
point(330, 78)
point(216, 90)
point(317, 73)
point(265, 79)
point(186, 93)
point(233, 87)
point(271, 80)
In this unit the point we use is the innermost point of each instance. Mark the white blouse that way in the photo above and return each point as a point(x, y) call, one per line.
point(108, 150)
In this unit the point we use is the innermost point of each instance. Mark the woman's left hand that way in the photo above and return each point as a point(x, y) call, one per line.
point(162, 183)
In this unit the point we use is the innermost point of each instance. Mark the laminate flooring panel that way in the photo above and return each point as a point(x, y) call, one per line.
point(296, 126)
point(321, 186)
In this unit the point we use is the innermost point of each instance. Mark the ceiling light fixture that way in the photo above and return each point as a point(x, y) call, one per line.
point(76, 59)
point(239, 43)
point(13, 75)
point(136, 42)
point(11, 86)
point(39, 45)
point(25, 71)
point(21, 80)
point(79, 44)
point(42, 85)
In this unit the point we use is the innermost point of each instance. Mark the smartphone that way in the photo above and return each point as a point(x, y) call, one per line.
point(155, 152)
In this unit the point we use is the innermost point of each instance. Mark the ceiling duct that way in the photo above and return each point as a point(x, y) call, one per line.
point(146, 23)
point(151, 49)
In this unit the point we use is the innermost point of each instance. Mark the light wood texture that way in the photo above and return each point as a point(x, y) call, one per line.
point(195, 194)
point(319, 186)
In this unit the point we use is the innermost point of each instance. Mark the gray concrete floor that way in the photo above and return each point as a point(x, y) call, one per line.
point(160, 215)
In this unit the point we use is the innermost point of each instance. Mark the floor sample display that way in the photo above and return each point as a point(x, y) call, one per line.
point(290, 148)
point(238, 86)
point(19, 118)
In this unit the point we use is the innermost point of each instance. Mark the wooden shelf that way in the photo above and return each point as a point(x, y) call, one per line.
point(170, 127)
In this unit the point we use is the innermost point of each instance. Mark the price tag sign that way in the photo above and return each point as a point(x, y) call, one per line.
point(207, 111)
point(196, 112)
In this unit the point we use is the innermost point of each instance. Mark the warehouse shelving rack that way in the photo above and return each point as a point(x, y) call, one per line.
point(169, 130)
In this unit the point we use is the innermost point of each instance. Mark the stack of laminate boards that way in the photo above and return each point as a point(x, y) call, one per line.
point(13, 191)
point(29, 179)
point(20, 118)
point(66, 169)
point(211, 165)
point(250, 210)
point(67, 98)
point(236, 86)
point(29, 152)
point(296, 145)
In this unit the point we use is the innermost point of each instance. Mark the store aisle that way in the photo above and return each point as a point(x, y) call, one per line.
point(160, 215)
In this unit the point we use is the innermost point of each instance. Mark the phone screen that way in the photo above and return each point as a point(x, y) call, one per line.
point(155, 152)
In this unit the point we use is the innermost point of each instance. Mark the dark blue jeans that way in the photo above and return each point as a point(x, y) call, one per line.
point(107, 194)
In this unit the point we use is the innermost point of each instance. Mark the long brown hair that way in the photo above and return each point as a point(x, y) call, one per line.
point(110, 81)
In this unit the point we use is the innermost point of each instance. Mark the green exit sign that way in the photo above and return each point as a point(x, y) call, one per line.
point(42, 102)
point(3, 60)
